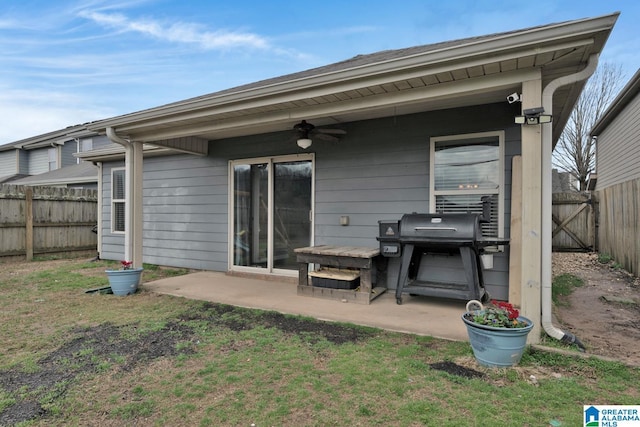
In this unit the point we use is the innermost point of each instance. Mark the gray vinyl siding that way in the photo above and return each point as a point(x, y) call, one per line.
point(618, 148)
point(184, 213)
point(38, 161)
point(101, 141)
point(8, 163)
point(378, 171)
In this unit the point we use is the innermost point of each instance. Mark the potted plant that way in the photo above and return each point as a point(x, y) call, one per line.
point(497, 333)
point(124, 281)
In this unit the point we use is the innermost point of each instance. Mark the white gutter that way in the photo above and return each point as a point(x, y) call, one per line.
point(546, 233)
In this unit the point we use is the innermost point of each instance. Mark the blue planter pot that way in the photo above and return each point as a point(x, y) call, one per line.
point(497, 347)
point(124, 282)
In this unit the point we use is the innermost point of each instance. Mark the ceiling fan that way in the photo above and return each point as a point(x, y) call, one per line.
point(306, 131)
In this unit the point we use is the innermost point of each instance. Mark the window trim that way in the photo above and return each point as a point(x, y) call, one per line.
point(114, 201)
point(501, 179)
point(52, 152)
point(84, 145)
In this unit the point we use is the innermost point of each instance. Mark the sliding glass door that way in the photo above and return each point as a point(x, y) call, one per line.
point(272, 211)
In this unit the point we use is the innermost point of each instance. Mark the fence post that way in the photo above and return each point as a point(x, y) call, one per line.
point(28, 213)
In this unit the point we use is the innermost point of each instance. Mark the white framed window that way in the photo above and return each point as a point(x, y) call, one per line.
point(118, 203)
point(84, 145)
point(467, 170)
point(53, 158)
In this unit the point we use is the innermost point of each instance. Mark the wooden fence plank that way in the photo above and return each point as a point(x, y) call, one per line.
point(618, 225)
point(28, 214)
point(515, 241)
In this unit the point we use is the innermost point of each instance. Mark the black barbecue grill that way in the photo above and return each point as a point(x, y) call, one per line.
point(416, 234)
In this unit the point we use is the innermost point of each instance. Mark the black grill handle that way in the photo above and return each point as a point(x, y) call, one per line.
point(435, 228)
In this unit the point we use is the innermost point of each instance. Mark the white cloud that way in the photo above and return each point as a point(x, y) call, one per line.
point(179, 32)
point(26, 114)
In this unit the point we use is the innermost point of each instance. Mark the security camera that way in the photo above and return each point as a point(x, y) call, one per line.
point(514, 97)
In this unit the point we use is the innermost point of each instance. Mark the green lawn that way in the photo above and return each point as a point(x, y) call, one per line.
point(71, 358)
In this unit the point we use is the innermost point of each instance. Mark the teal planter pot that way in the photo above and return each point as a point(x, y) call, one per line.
point(497, 347)
point(124, 282)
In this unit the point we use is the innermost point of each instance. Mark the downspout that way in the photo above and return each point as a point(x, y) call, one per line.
point(99, 224)
point(546, 233)
point(128, 147)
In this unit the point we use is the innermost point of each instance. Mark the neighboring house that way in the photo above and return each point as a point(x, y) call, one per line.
point(618, 177)
point(218, 182)
point(81, 175)
point(46, 156)
point(563, 182)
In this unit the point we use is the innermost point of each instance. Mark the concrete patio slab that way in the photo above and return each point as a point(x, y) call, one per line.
point(417, 315)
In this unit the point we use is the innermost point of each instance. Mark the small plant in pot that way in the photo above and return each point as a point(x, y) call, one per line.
point(124, 281)
point(499, 314)
point(497, 333)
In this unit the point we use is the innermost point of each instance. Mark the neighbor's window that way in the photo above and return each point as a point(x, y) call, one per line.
point(467, 169)
point(53, 158)
point(84, 145)
point(117, 200)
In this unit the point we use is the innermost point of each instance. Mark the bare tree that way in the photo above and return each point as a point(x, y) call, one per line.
point(575, 151)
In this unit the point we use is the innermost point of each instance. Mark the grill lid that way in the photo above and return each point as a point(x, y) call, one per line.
point(443, 228)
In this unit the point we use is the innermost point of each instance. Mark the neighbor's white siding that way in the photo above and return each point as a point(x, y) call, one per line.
point(8, 163)
point(618, 148)
point(38, 161)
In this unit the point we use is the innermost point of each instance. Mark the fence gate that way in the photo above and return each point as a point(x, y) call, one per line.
point(573, 222)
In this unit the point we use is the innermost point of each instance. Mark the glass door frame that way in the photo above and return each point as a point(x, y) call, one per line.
point(270, 161)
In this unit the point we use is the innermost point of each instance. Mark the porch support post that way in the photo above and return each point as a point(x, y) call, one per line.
point(133, 164)
point(133, 225)
point(531, 251)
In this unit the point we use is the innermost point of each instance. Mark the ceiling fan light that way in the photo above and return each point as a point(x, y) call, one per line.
point(304, 143)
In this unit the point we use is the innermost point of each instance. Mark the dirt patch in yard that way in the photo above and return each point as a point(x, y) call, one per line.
point(604, 313)
point(107, 346)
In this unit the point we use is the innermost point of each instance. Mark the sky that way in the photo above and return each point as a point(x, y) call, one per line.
point(68, 62)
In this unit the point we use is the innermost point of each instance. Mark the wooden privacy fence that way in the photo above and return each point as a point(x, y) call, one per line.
point(574, 222)
point(619, 224)
point(38, 220)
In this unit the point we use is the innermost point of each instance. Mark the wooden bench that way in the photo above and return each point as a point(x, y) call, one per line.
point(340, 257)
